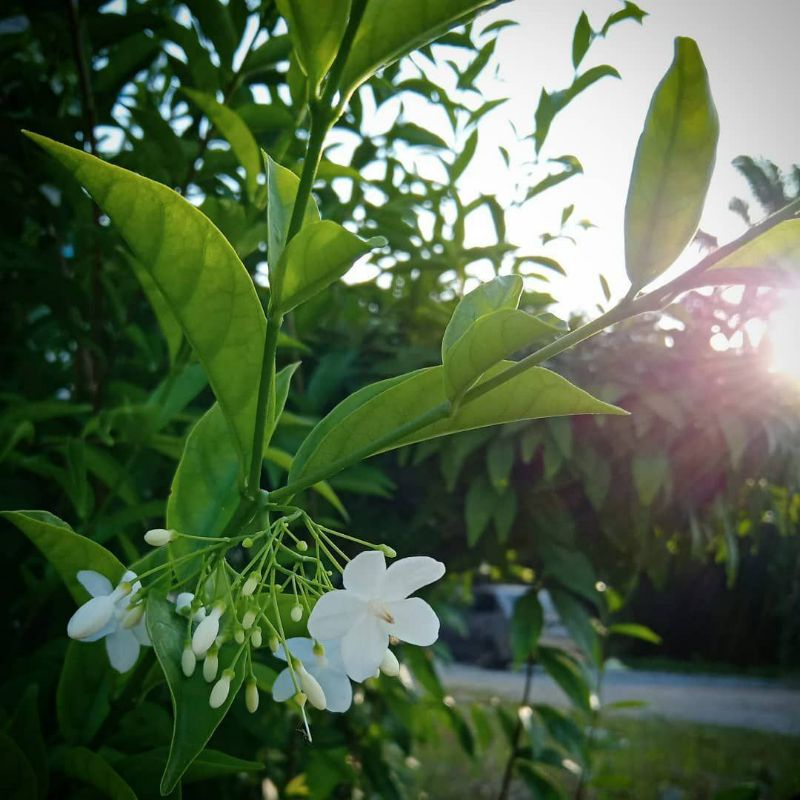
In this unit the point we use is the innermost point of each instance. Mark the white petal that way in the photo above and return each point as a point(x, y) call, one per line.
point(364, 647)
point(183, 601)
point(337, 688)
point(205, 634)
point(128, 577)
point(300, 647)
point(123, 649)
point(365, 573)
point(140, 632)
point(405, 576)
point(112, 625)
point(414, 621)
point(94, 583)
point(335, 614)
point(283, 688)
point(91, 617)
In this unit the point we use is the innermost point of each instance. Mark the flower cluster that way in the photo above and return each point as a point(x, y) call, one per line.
point(284, 579)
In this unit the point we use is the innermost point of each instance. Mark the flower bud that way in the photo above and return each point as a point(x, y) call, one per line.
point(390, 665)
point(296, 613)
point(211, 665)
point(302, 546)
point(238, 635)
point(91, 617)
point(133, 616)
point(219, 694)
point(300, 699)
point(158, 537)
point(312, 689)
point(251, 696)
point(274, 644)
point(247, 543)
point(251, 584)
point(188, 661)
point(255, 637)
point(249, 618)
point(207, 631)
point(183, 603)
point(389, 552)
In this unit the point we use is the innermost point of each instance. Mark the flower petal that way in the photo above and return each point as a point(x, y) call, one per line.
point(91, 617)
point(405, 576)
point(363, 648)
point(335, 614)
point(300, 647)
point(112, 625)
point(122, 647)
point(283, 688)
point(364, 574)
point(140, 632)
point(414, 621)
point(94, 583)
point(337, 688)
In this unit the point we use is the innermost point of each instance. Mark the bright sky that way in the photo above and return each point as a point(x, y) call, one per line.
point(750, 52)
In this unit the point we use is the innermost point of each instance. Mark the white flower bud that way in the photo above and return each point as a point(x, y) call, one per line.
point(251, 696)
point(296, 613)
point(133, 616)
point(219, 694)
point(206, 632)
point(248, 619)
point(91, 617)
point(188, 661)
point(238, 635)
point(312, 689)
point(255, 637)
point(274, 644)
point(183, 603)
point(211, 665)
point(390, 665)
point(158, 537)
point(251, 584)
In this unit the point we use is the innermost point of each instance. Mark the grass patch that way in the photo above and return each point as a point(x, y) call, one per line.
point(641, 758)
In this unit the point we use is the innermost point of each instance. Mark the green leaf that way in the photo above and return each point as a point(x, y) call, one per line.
point(392, 28)
point(777, 251)
point(634, 631)
point(83, 697)
point(316, 28)
point(567, 673)
point(650, 476)
point(464, 157)
point(195, 720)
point(479, 508)
point(376, 410)
point(206, 285)
point(66, 550)
point(581, 39)
point(499, 461)
point(630, 11)
point(577, 621)
point(571, 167)
point(282, 186)
point(570, 568)
point(527, 621)
point(25, 729)
point(502, 292)
point(490, 339)
point(235, 131)
point(319, 255)
point(17, 778)
point(91, 768)
point(672, 168)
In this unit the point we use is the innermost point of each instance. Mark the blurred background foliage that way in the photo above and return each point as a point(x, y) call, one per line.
point(682, 518)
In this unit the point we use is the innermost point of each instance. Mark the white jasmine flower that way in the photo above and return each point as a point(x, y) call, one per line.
point(110, 614)
point(322, 663)
point(183, 605)
point(375, 605)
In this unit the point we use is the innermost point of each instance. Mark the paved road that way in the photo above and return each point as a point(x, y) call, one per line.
point(709, 699)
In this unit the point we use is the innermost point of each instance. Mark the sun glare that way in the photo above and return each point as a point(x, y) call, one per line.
point(783, 335)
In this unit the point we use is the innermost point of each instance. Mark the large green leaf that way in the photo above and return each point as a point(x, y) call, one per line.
point(527, 622)
point(392, 28)
point(567, 673)
point(489, 339)
point(235, 131)
point(195, 720)
point(91, 768)
point(672, 168)
point(320, 254)
point(502, 292)
point(204, 282)
point(66, 550)
point(775, 251)
point(83, 697)
point(316, 28)
point(377, 410)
